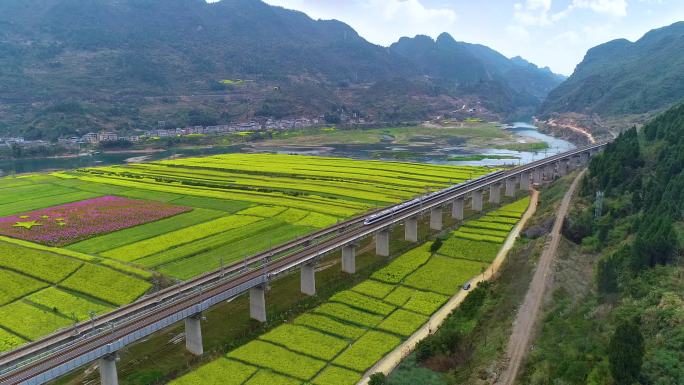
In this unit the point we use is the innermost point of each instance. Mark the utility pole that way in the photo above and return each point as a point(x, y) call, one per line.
point(598, 212)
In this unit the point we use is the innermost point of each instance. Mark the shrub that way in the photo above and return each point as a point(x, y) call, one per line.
point(436, 245)
point(377, 379)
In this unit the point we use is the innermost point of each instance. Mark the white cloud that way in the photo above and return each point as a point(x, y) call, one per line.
point(611, 7)
point(380, 21)
point(539, 12)
point(412, 10)
point(533, 12)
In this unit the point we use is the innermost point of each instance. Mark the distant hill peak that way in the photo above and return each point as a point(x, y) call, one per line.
point(445, 37)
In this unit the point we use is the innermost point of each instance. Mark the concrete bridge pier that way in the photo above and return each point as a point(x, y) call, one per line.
point(584, 158)
point(257, 303)
point(457, 209)
point(525, 181)
point(549, 172)
point(495, 193)
point(411, 229)
point(382, 243)
point(107, 365)
point(476, 200)
point(308, 278)
point(510, 187)
point(575, 162)
point(537, 176)
point(563, 167)
point(436, 218)
point(349, 259)
point(193, 334)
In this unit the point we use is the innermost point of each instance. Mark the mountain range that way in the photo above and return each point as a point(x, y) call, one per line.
point(72, 66)
point(625, 78)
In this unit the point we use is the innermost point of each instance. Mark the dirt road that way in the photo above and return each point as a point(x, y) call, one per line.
point(528, 313)
point(575, 128)
point(394, 358)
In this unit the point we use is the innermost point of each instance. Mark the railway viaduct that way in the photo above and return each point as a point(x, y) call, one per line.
point(100, 339)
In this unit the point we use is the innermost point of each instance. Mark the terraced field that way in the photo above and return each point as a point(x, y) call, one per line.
point(337, 342)
point(77, 244)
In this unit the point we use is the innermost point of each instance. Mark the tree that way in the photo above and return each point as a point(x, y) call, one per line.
point(436, 245)
point(377, 379)
point(655, 242)
point(626, 353)
point(608, 269)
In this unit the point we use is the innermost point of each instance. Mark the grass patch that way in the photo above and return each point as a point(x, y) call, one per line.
point(431, 277)
point(474, 158)
point(106, 284)
point(367, 350)
point(31, 322)
point(266, 355)
point(67, 304)
point(36, 263)
point(218, 372)
point(15, 286)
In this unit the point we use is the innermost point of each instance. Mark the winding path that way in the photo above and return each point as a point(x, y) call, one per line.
point(523, 327)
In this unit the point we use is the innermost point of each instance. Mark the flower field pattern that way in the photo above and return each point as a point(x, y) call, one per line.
point(338, 341)
point(72, 222)
point(84, 242)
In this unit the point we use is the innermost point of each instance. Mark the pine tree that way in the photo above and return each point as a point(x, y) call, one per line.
point(626, 353)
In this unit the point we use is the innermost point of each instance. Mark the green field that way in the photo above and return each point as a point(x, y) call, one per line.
point(338, 341)
point(241, 204)
point(475, 134)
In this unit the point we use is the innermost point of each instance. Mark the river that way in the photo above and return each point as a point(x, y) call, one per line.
point(524, 131)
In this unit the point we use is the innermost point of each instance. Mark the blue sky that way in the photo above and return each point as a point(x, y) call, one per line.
point(554, 33)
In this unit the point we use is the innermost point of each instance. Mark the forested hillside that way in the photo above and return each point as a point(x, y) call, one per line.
point(625, 78)
point(501, 81)
point(73, 66)
point(628, 327)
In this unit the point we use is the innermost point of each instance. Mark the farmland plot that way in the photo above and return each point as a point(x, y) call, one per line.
point(68, 304)
point(83, 242)
point(364, 323)
point(9, 341)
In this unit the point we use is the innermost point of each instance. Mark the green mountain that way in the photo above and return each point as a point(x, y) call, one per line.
point(72, 66)
point(516, 83)
point(622, 78)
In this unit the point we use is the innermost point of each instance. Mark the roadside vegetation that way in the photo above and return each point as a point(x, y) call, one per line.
point(616, 315)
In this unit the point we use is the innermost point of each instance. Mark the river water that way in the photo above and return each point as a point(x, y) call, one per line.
point(524, 131)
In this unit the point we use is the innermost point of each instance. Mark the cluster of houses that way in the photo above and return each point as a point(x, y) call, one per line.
point(21, 142)
point(93, 138)
point(270, 124)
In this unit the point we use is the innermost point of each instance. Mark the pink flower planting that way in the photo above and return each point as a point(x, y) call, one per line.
point(73, 222)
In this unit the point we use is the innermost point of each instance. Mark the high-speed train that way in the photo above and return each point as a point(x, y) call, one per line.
point(387, 213)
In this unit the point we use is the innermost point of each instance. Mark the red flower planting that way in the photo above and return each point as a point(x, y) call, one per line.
point(73, 222)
